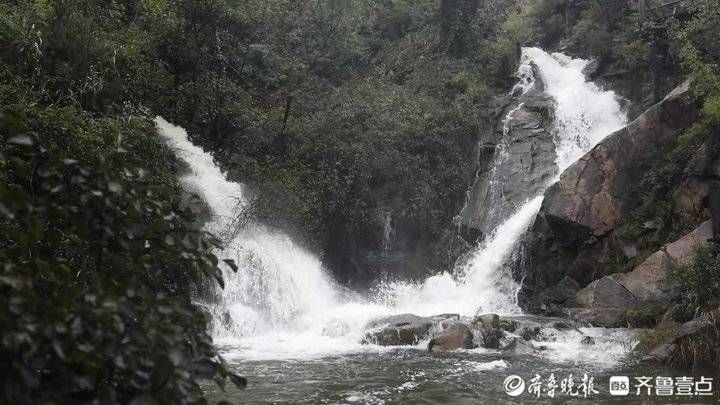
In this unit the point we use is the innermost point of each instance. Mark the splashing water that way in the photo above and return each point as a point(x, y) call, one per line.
point(280, 303)
point(584, 114)
point(277, 280)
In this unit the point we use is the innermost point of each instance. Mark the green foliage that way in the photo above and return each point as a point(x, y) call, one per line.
point(699, 280)
point(333, 111)
point(590, 34)
point(646, 317)
point(98, 263)
point(662, 334)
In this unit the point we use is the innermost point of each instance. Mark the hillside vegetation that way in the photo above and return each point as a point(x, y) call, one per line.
point(334, 112)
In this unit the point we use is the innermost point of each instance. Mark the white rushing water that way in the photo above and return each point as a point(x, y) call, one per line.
point(281, 303)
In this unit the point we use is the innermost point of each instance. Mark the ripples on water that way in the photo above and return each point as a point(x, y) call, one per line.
point(413, 375)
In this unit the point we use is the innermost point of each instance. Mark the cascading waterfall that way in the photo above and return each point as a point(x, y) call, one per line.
point(277, 280)
point(584, 113)
point(281, 304)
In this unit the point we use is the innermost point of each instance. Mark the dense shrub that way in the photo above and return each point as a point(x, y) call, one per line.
point(98, 264)
point(699, 280)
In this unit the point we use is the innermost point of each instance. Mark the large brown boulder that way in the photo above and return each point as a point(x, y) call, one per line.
point(398, 330)
point(647, 284)
point(454, 336)
point(576, 237)
point(594, 193)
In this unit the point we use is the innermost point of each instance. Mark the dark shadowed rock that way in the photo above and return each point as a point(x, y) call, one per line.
point(487, 321)
point(397, 330)
point(492, 338)
point(455, 336)
point(529, 332)
point(516, 160)
point(587, 340)
point(508, 325)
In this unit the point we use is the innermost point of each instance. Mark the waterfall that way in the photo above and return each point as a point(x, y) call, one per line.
point(277, 280)
point(584, 113)
point(280, 303)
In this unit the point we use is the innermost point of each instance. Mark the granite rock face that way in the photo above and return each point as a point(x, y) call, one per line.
point(516, 159)
point(646, 285)
point(575, 238)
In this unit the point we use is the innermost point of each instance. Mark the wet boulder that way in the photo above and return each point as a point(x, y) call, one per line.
point(517, 150)
point(487, 321)
point(492, 338)
point(508, 324)
point(519, 346)
point(455, 336)
point(661, 353)
point(398, 330)
point(587, 340)
point(528, 332)
point(489, 327)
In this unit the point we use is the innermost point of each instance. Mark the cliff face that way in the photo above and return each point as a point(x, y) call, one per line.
point(516, 159)
point(579, 235)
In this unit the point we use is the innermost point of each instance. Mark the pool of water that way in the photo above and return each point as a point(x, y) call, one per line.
point(412, 375)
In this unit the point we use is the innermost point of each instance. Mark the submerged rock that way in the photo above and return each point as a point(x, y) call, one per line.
point(455, 336)
point(398, 330)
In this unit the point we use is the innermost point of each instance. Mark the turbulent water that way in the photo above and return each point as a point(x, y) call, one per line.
point(281, 315)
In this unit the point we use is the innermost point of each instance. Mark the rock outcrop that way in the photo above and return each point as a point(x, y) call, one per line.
point(455, 336)
point(575, 238)
point(646, 285)
point(398, 330)
point(516, 157)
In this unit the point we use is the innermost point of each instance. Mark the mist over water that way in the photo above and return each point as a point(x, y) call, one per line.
point(281, 304)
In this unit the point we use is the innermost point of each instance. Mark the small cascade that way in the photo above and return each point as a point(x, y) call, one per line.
point(388, 233)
